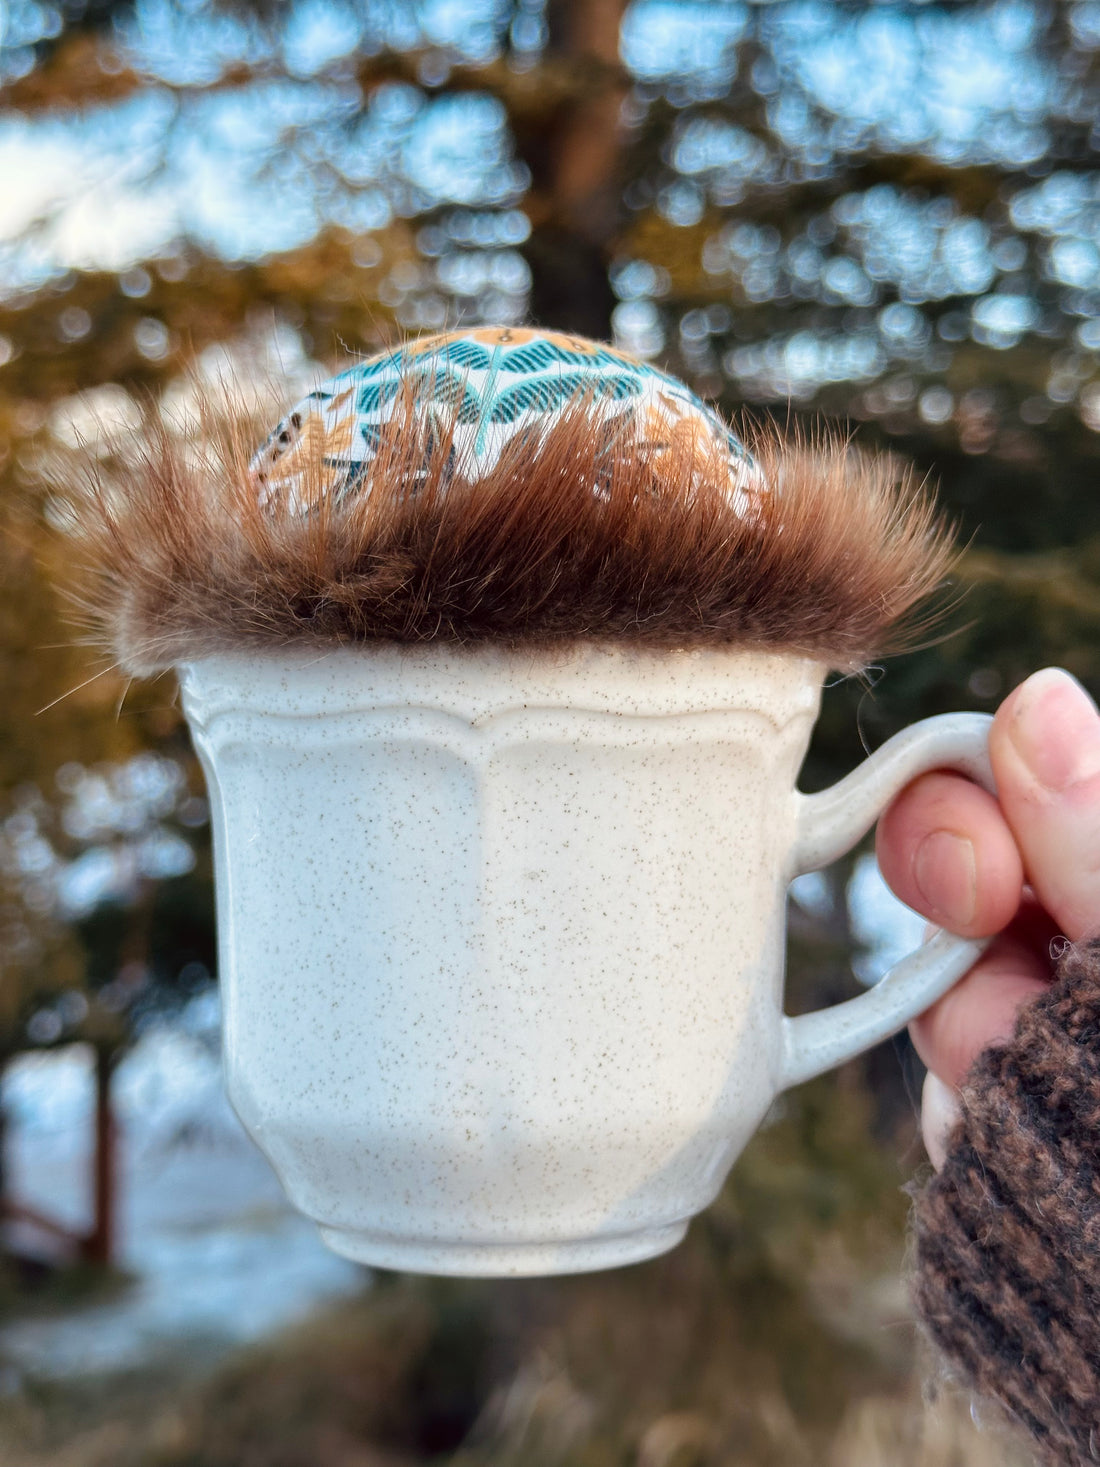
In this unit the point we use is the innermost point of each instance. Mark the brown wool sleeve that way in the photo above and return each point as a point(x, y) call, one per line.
point(1007, 1234)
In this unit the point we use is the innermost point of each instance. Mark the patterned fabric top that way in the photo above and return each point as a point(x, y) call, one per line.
point(484, 386)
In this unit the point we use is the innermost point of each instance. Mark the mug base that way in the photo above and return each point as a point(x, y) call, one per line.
point(501, 1260)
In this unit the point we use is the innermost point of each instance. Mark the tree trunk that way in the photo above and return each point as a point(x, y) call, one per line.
point(575, 202)
point(99, 1246)
point(3, 1144)
point(5, 1200)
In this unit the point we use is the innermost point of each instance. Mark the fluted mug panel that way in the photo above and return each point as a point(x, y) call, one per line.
point(502, 933)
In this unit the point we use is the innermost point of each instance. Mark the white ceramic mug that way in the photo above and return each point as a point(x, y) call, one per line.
point(502, 933)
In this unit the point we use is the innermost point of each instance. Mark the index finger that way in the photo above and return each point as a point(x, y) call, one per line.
point(945, 848)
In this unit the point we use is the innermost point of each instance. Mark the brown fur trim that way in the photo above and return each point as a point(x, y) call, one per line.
point(578, 531)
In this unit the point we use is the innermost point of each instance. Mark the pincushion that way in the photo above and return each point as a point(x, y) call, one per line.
point(481, 390)
point(506, 484)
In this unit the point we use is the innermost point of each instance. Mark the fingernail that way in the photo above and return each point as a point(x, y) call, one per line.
point(939, 1111)
point(1055, 729)
point(946, 875)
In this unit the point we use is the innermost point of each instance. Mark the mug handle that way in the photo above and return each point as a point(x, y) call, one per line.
point(829, 824)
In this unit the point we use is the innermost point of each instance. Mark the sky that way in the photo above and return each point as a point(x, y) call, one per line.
point(124, 182)
point(259, 168)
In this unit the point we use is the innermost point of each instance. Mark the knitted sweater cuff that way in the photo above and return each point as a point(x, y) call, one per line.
point(1007, 1234)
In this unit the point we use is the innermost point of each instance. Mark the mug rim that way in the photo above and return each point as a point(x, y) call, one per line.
point(479, 680)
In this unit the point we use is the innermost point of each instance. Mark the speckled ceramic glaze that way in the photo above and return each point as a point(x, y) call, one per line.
point(502, 934)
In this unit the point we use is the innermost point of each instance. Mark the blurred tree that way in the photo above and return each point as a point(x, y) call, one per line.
point(106, 924)
point(885, 212)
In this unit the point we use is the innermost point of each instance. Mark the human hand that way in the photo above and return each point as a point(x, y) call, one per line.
point(1025, 866)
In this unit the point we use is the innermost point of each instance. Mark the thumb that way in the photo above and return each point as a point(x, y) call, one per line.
point(1045, 750)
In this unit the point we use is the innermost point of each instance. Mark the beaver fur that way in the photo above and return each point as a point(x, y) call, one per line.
point(579, 530)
